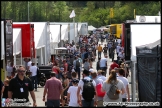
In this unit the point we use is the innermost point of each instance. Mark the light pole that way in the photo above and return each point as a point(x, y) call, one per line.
point(28, 11)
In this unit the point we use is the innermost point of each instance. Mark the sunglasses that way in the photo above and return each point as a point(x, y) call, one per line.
point(21, 71)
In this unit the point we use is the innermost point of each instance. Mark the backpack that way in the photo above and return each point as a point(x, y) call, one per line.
point(88, 90)
point(99, 91)
point(86, 55)
point(77, 63)
point(113, 93)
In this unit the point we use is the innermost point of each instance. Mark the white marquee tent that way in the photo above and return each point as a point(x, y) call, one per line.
point(64, 32)
point(17, 35)
point(41, 39)
point(91, 28)
point(139, 36)
point(54, 33)
point(16, 41)
point(149, 19)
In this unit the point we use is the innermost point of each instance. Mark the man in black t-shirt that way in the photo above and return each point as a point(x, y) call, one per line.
point(105, 49)
point(19, 88)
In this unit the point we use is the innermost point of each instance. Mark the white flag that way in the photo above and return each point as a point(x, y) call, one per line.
point(72, 14)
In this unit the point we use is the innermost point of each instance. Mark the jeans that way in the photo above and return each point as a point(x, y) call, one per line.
point(53, 103)
point(99, 54)
point(87, 104)
point(112, 56)
point(34, 81)
point(78, 71)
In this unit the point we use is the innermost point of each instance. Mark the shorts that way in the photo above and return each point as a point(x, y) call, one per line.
point(65, 94)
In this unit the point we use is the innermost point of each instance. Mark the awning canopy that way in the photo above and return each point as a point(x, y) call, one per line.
point(40, 47)
point(16, 41)
point(61, 48)
point(91, 28)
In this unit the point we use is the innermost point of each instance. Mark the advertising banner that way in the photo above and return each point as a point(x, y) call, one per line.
point(9, 41)
point(2, 40)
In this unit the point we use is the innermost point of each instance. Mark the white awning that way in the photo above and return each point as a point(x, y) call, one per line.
point(40, 47)
point(91, 28)
point(54, 36)
point(17, 41)
point(61, 48)
point(17, 53)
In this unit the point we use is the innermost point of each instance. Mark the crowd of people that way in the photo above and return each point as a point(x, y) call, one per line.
point(74, 81)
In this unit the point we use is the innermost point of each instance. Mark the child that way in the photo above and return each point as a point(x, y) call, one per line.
point(5, 88)
point(72, 94)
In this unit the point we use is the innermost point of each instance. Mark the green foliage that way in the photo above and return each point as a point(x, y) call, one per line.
point(96, 13)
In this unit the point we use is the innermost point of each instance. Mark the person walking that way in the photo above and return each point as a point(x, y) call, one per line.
point(20, 86)
point(121, 77)
point(103, 64)
point(98, 81)
point(53, 89)
point(5, 88)
point(99, 48)
point(87, 92)
point(101, 75)
point(33, 70)
point(72, 92)
point(98, 64)
point(112, 80)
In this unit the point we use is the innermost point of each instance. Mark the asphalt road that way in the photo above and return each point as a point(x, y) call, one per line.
point(39, 92)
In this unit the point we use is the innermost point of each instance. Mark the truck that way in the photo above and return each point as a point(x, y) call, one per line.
point(116, 30)
point(133, 35)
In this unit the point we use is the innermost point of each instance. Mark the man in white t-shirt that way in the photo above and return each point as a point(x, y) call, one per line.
point(98, 81)
point(103, 64)
point(72, 91)
point(80, 87)
point(33, 70)
point(72, 49)
point(118, 49)
point(101, 75)
point(121, 55)
point(126, 85)
point(29, 64)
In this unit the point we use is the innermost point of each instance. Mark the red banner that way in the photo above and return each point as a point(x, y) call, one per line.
point(27, 39)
